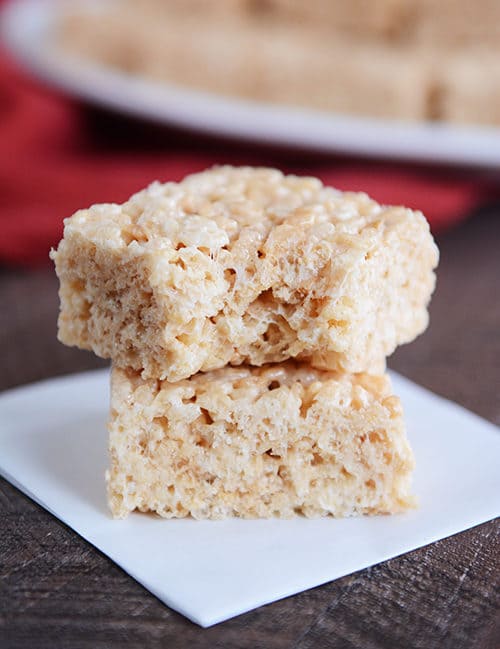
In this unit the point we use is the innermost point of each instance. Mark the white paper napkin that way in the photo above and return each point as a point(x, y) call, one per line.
point(53, 447)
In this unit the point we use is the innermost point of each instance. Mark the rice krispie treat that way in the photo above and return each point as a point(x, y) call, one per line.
point(268, 59)
point(244, 265)
point(257, 442)
point(384, 20)
point(468, 85)
point(360, 58)
point(457, 24)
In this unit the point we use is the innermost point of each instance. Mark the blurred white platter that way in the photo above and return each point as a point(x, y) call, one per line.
point(27, 28)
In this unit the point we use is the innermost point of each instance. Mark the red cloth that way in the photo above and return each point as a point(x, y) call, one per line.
point(56, 157)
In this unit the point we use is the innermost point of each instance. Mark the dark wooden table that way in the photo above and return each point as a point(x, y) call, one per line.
point(57, 591)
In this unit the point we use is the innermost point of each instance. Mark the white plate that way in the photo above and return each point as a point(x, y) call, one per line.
point(27, 27)
point(53, 447)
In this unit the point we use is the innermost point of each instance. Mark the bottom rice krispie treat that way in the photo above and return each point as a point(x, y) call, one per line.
point(279, 440)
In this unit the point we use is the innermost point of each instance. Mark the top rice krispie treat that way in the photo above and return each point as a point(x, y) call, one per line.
point(244, 265)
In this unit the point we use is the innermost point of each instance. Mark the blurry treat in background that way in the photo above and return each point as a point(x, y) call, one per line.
point(442, 24)
point(252, 56)
point(392, 59)
point(385, 20)
point(469, 87)
point(434, 23)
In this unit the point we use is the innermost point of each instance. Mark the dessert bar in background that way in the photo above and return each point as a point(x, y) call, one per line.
point(396, 59)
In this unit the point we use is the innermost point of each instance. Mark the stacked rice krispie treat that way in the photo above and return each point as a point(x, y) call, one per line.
point(248, 316)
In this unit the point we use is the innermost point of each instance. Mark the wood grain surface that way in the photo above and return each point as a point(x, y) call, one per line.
point(57, 591)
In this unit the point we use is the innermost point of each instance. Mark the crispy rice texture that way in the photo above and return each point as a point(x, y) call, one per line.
point(278, 441)
point(244, 265)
